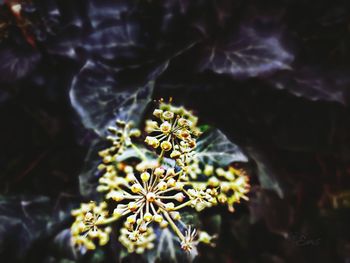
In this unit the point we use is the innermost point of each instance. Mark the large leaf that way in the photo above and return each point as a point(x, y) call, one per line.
point(119, 41)
point(27, 217)
point(315, 84)
point(247, 54)
point(100, 94)
point(215, 147)
point(17, 63)
point(269, 175)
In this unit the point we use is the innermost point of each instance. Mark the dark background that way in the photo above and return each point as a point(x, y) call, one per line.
point(289, 115)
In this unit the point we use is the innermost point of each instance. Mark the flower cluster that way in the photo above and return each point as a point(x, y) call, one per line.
point(139, 244)
point(174, 130)
point(149, 193)
point(120, 138)
point(86, 227)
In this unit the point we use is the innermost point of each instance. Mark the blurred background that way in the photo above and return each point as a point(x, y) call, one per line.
point(274, 76)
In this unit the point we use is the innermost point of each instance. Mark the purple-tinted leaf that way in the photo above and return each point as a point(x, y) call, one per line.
point(247, 54)
point(274, 211)
point(315, 85)
point(215, 147)
point(64, 43)
point(89, 175)
point(101, 94)
point(27, 218)
point(16, 64)
point(101, 11)
point(121, 41)
point(268, 175)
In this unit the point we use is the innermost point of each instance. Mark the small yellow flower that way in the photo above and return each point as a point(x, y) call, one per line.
point(175, 129)
point(88, 225)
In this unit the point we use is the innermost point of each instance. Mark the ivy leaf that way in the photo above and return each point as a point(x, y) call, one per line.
point(247, 54)
point(27, 217)
point(314, 84)
point(215, 147)
point(268, 174)
point(89, 175)
point(101, 94)
point(17, 63)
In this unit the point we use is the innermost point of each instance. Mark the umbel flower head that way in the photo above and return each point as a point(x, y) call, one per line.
point(174, 130)
point(87, 226)
point(148, 193)
point(121, 138)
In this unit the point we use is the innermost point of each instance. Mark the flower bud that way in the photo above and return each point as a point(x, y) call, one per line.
point(159, 171)
point(162, 186)
point(175, 215)
point(222, 198)
point(151, 126)
point(175, 154)
point(135, 133)
point(168, 115)
point(170, 172)
point(157, 113)
point(171, 182)
point(88, 216)
point(103, 238)
point(147, 217)
point(179, 197)
point(131, 219)
point(165, 127)
point(132, 206)
point(116, 196)
point(166, 146)
point(136, 188)
point(184, 134)
point(213, 181)
point(183, 122)
point(163, 224)
point(169, 206)
point(204, 237)
point(145, 176)
point(152, 141)
point(225, 187)
point(158, 218)
point(118, 212)
point(208, 170)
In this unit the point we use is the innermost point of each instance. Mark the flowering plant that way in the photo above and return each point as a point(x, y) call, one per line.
point(148, 189)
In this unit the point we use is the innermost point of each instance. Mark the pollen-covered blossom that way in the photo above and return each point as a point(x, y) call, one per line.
point(88, 226)
point(175, 130)
point(120, 137)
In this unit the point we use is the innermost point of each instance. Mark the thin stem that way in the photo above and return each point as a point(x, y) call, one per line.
point(173, 225)
point(141, 154)
point(160, 158)
point(109, 221)
point(182, 205)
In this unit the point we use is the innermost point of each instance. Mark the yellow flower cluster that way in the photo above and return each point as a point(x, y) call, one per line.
point(174, 130)
point(86, 228)
point(120, 138)
point(138, 244)
point(150, 193)
point(232, 185)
